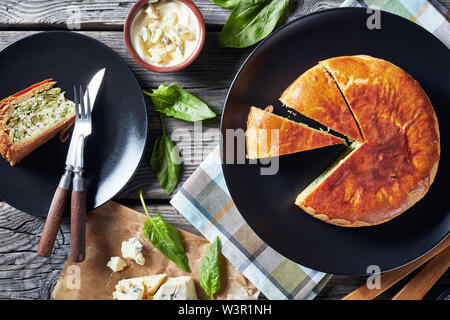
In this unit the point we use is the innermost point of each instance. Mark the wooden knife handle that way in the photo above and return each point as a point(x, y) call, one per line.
point(51, 227)
point(78, 226)
point(388, 279)
point(422, 282)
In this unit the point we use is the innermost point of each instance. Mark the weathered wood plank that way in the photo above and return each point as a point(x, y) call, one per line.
point(23, 274)
point(109, 14)
point(86, 14)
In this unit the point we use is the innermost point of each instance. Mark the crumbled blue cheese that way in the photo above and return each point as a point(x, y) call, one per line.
point(180, 288)
point(42, 111)
point(116, 264)
point(141, 288)
point(132, 250)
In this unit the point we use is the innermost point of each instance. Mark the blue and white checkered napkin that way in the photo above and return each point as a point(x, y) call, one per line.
point(205, 201)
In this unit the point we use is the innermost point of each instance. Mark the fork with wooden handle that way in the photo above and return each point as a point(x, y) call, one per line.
point(83, 129)
point(75, 153)
point(388, 279)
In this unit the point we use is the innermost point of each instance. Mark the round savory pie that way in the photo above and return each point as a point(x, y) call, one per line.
point(394, 154)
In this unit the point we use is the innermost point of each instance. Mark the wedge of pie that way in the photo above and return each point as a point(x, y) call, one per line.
point(393, 162)
point(31, 117)
point(315, 95)
point(269, 135)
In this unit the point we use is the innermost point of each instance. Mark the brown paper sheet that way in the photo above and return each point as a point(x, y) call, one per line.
point(113, 223)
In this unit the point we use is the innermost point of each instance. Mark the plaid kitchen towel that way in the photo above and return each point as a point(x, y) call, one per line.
point(430, 14)
point(205, 201)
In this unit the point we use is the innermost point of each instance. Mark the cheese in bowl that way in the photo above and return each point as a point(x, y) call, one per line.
point(165, 33)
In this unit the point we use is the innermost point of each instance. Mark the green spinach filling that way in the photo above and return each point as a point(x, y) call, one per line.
point(39, 113)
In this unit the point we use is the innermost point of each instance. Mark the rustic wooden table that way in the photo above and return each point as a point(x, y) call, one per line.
point(23, 274)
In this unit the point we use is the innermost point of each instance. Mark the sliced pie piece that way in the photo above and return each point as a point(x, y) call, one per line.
point(31, 117)
point(398, 161)
point(316, 95)
point(383, 97)
point(288, 136)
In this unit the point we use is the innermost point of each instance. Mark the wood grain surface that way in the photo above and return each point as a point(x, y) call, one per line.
point(23, 274)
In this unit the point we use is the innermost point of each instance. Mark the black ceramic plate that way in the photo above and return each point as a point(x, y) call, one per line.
point(267, 202)
point(114, 149)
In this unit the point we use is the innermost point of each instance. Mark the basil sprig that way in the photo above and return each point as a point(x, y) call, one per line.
point(165, 237)
point(209, 270)
point(164, 161)
point(251, 21)
point(174, 101)
point(229, 4)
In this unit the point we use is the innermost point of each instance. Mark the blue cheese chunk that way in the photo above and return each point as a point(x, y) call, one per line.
point(141, 288)
point(132, 250)
point(116, 264)
point(180, 288)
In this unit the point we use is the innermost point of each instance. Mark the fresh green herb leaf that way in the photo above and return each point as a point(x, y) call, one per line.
point(209, 270)
point(165, 237)
point(176, 102)
point(165, 161)
point(229, 4)
point(251, 21)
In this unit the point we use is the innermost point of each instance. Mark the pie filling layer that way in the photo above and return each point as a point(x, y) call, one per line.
point(39, 113)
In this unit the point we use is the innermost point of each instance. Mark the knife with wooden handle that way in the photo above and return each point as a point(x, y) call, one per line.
point(422, 282)
point(388, 279)
point(56, 211)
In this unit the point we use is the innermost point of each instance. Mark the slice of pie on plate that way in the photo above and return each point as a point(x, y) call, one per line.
point(31, 117)
point(269, 135)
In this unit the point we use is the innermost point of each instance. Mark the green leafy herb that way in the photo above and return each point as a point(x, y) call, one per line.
point(174, 101)
point(165, 237)
point(209, 270)
point(165, 161)
point(251, 21)
point(229, 4)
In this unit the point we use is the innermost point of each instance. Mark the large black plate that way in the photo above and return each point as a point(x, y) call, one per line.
point(117, 143)
point(267, 202)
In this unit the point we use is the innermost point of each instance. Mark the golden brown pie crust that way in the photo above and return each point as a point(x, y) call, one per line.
point(315, 95)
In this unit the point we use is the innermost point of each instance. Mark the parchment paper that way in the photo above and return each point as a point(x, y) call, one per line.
point(113, 223)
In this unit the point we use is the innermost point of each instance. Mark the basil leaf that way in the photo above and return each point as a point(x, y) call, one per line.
point(251, 21)
point(209, 270)
point(229, 4)
point(176, 102)
point(165, 237)
point(164, 161)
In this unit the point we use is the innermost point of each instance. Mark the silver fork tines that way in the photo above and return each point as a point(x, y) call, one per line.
point(83, 111)
point(83, 125)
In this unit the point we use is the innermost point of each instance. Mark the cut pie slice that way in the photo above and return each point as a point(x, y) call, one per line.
point(316, 95)
point(31, 117)
point(269, 135)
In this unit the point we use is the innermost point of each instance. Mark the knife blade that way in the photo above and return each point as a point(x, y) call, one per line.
point(93, 88)
point(56, 211)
